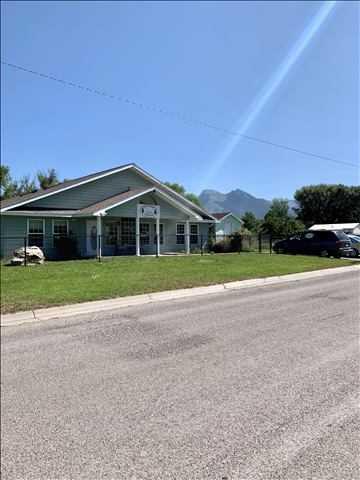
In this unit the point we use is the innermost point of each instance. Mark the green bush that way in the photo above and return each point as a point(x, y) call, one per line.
point(222, 246)
point(232, 243)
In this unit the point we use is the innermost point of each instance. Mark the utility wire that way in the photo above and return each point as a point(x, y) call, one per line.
point(177, 115)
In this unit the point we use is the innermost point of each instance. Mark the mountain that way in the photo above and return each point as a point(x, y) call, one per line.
point(236, 201)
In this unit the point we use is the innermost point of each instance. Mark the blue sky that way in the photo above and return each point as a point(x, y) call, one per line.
point(208, 60)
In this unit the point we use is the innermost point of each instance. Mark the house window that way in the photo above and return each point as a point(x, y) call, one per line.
point(128, 231)
point(60, 227)
point(144, 233)
point(36, 232)
point(110, 233)
point(161, 234)
point(180, 233)
point(194, 233)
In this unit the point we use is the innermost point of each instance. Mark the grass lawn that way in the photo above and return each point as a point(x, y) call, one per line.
point(59, 283)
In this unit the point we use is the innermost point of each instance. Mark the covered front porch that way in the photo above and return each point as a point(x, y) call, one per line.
point(111, 236)
point(144, 223)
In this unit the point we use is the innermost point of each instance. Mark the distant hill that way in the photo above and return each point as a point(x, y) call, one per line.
point(236, 201)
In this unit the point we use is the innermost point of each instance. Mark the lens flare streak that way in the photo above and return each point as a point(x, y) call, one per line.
point(269, 89)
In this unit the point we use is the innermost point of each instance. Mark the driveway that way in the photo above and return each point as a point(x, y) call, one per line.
point(250, 384)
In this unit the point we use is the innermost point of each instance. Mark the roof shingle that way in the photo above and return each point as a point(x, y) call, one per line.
point(69, 183)
point(115, 199)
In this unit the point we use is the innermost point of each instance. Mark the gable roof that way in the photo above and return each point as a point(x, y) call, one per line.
point(113, 201)
point(60, 187)
point(28, 198)
point(222, 215)
point(100, 208)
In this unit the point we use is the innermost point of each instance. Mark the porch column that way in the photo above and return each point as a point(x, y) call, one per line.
point(137, 235)
point(158, 235)
point(99, 234)
point(187, 237)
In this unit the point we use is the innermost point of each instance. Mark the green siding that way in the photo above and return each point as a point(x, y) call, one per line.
point(129, 209)
point(228, 226)
point(92, 192)
point(13, 231)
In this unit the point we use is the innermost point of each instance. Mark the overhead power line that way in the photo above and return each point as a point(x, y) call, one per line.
point(180, 116)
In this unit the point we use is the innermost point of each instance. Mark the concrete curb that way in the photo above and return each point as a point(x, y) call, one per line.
point(31, 316)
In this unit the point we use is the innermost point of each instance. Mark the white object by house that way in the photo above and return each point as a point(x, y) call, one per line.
point(353, 228)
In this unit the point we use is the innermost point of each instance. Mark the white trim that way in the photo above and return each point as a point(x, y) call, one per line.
point(99, 235)
point(158, 235)
point(105, 235)
point(112, 172)
point(177, 204)
point(39, 234)
point(24, 213)
point(117, 204)
point(187, 237)
point(154, 233)
point(90, 247)
point(27, 229)
point(148, 233)
point(180, 234)
point(137, 233)
point(155, 180)
point(83, 182)
point(53, 224)
point(230, 214)
point(54, 235)
point(197, 234)
point(156, 208)
point(150, 190)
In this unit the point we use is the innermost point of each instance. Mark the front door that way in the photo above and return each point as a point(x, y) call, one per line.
point(91, 237)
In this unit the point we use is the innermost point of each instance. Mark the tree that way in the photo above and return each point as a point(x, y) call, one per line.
point(278, 222)
point(193, 198)
point(178, 188)
point(328, 204)
point(10, 187)
point(25, 185)
point(250, 222)
point(7, 185)
point(47, 179)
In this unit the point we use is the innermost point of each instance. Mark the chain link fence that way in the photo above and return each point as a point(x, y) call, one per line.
point(63, 247)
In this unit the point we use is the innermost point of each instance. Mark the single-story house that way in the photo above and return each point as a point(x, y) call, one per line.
point(352, 228)
point(123, 210)
point(226, 223)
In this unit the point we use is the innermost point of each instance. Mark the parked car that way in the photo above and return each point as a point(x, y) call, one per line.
point(355, 244)
point(325, 243)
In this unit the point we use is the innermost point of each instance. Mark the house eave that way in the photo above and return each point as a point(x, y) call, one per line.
point(69, 187)
point(168, 198)
point(38, 213)
point(190, 206)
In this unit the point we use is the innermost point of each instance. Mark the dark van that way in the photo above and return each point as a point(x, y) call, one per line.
point(325, 243)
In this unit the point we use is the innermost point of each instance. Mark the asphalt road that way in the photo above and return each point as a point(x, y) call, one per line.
point(254, 384)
